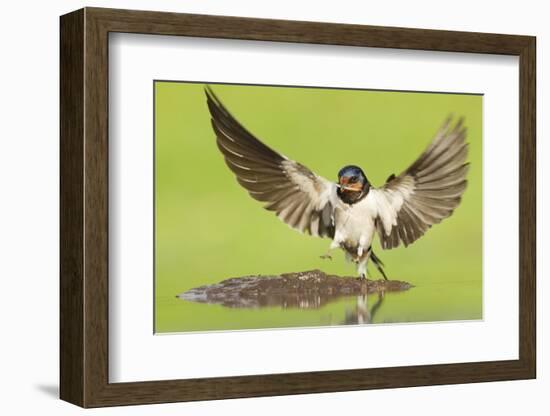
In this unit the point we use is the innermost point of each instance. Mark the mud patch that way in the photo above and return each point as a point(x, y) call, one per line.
point(306, 290)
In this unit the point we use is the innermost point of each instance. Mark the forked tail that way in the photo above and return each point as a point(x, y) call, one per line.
point(378, 263)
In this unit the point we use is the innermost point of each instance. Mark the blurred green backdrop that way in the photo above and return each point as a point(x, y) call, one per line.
point(209, 229)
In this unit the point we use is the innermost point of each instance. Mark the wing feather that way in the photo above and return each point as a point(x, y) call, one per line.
point(300, 198)
point(425, 193)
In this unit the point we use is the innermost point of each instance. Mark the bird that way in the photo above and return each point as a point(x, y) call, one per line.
point(350, 211)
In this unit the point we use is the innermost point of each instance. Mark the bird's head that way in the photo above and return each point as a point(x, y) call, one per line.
point(352, 184)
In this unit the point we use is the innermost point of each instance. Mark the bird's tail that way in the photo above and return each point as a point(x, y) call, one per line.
point(378, 263)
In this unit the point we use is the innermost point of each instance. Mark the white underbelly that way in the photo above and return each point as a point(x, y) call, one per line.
point(354, 227)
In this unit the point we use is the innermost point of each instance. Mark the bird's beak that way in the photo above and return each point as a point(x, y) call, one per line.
point(345, 185)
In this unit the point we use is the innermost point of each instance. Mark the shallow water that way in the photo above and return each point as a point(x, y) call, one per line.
point(425, 303)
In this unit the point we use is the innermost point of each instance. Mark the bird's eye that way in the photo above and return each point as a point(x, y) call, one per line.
point(353, 179)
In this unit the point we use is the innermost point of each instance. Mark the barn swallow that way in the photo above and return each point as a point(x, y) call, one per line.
point(351, 211)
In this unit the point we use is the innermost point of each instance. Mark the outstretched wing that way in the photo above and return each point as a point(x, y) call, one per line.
point(425, 193)
point(300, 198)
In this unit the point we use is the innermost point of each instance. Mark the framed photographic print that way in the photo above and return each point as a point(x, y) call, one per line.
point(255, 207)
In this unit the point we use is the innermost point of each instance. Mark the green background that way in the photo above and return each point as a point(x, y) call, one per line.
point(209, 229)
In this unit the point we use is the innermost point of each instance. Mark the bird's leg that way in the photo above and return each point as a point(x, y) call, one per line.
point(326, 255)
point(362, 259)
point(362, 265)
point(332, 246)
point(362, 270)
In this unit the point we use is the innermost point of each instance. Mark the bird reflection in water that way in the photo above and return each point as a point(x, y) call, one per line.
point(357, 304)
point(361, 313)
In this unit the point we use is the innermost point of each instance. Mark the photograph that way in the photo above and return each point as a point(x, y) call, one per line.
point(297, 206)
point(277, 204)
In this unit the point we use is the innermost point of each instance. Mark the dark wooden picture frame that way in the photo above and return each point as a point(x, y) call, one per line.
point(84, 207)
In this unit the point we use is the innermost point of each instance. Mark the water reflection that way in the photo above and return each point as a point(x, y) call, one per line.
point(251, 308)
point(358, 309)
point(361, 313)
